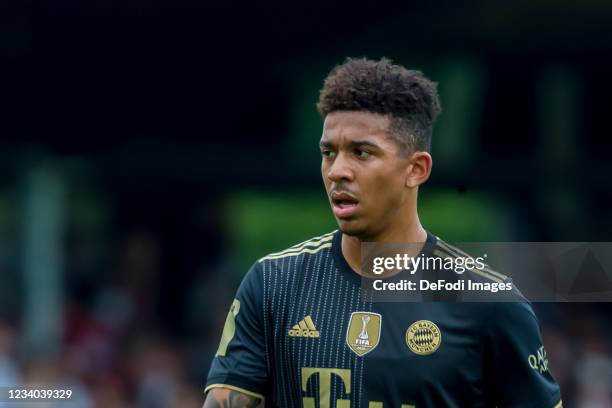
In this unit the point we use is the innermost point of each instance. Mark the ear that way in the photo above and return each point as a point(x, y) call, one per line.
point(419, 169)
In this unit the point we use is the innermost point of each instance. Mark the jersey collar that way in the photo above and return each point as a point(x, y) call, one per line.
point(353, 276)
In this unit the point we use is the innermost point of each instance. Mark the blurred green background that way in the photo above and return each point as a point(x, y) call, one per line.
point(152, 151)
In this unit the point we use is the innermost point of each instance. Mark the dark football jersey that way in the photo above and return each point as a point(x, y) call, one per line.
point(303, 332)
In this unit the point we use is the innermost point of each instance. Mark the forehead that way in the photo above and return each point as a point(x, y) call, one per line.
point(351, 124)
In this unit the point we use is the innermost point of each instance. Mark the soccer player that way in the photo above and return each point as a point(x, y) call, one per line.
point(304, 332)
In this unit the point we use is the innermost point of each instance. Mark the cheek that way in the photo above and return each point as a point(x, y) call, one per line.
point(323, 175)
point(385, 190)
point(326, 182)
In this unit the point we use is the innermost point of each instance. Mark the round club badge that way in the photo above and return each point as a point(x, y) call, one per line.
point(423, 337)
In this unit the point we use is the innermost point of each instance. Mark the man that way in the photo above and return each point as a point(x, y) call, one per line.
point(304, 330)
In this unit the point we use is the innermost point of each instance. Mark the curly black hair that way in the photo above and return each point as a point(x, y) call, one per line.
point(407, 96)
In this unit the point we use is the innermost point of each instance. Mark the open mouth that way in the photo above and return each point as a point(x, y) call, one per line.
point(344, 205)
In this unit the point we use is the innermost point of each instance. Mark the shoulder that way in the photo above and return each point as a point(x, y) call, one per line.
point(474, 268)
point(278, 270)
point(477, 270)
point(301, 251)
point(513, 322)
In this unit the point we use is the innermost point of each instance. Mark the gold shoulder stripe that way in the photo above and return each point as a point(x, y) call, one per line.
point(486, 272)
point(487, 275)
point(313, 242)
point(454, 250)
point(234, 388)
point(559, 404)
point(303, 251)
point(483, 273)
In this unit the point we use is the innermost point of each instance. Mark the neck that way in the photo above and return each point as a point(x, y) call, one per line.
point(408, 232)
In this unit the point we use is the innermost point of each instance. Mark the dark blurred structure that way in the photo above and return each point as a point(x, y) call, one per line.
point(152, 150)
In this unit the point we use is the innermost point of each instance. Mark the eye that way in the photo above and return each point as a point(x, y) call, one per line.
point(362, 154)
point(327, 153)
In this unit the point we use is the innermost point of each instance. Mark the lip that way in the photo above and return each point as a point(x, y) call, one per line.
point(344, 205)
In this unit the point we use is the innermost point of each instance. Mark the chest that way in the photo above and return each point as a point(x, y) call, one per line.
point(378, 352)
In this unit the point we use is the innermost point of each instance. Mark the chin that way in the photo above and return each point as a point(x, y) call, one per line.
point(352, 228)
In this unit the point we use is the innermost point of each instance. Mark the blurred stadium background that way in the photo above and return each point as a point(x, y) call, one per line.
point(151, 151)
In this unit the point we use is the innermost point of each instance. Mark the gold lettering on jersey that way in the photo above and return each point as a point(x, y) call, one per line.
point(363, 332)
point(539, 360)
point(325, 398)
point(423, 337)
point(325, 375)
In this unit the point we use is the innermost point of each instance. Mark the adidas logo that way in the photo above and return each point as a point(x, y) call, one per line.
point(304, 328)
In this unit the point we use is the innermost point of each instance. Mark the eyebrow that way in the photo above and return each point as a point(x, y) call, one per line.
point(354, 143)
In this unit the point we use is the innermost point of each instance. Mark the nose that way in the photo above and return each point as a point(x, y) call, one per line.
point(340, 169)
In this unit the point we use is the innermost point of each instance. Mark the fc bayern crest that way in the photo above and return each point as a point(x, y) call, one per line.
point(423, 337)
point(363, 333)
